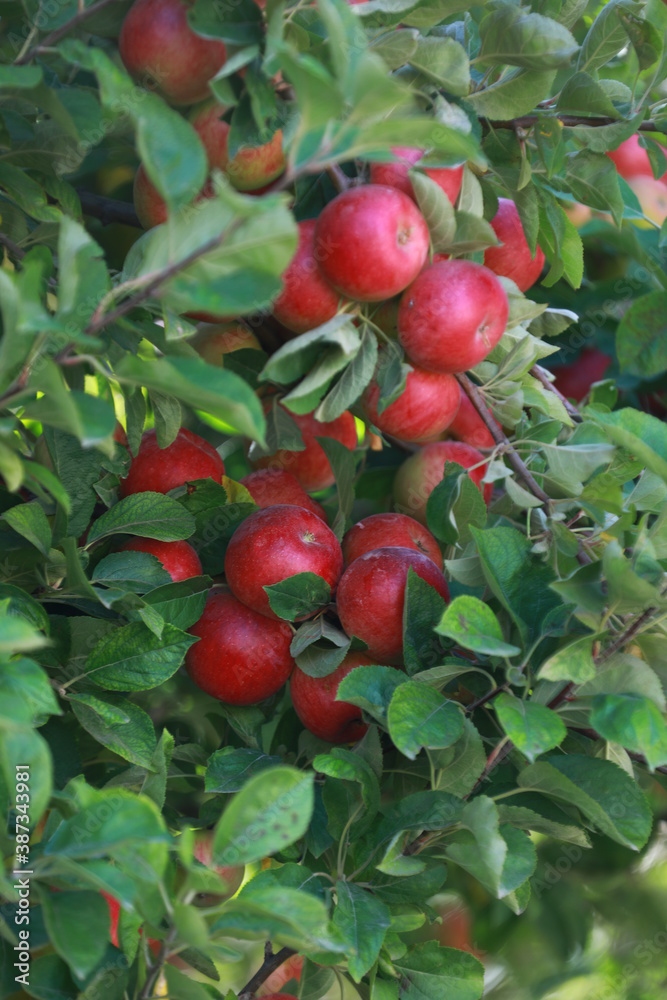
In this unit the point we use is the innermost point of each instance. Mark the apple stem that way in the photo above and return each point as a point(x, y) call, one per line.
point(542, 376)
point(270, 964)
point(338, 178)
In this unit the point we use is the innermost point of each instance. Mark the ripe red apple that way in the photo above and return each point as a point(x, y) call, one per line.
point(631, 159)
point(379, 531)
point(150, 206)
point(420, 474)
point(159, 470)
point(208, 123)
point(575, 379)
point(253, 168)
point(373, 242)
point(242, 657)
point(513, 259)
point(468, 426)
point(652, 195)
point(314, 700)
point(452, 316)
point(290, 969)
point(114, 917)
point(371, 594)
point(158, 47)
point(178, 558)
point(268, 487)
point(427, 405)
point(307, 300)
point(275, 543)
point(311, 466)
point(395, 174)
point(213, 340)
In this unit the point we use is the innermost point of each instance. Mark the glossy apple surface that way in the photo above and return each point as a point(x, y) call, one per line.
point(420, 474)
point(468, 426)
point(575, 379)
point(395, 174)
point(268, 487)
point(513, 258)
point(307, 299)
point(159, 470)
point(314, 700)
point(391, 529)
point(311, 466)
point(427, 405)
point(179, 559)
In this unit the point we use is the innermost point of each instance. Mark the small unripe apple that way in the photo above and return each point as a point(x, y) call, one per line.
point(159, 48)
point(575, 379)
point(314, 700)
point(378, 531)
point(395, 174)
point(373, 240)
point(268, 487)
point(179, 559)
point(371, 595)
point(212, 341)
point(311, 466)
point(275, 543)
point(242, 657)
point(468, 426)
point(419, 475)
point(427, 405)
point(307, 299)
point(452, 316)
point(160, 470)
point(652, 195)
point(513, 258)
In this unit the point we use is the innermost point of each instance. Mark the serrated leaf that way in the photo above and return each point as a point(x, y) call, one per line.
point(151, 515)
point(473, 625)
point(532, 728)
point(419, 716)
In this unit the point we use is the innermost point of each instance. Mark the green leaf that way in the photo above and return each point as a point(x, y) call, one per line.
point(362, 920)
point(419, 716)
point(272, 811)
point(20, 77)
point(532, 728)
point(640, 344)
point(455, 506)
point(155, 783)
point(298, 596)
point(117, 724)
point(516, 93)
point(642, 435)
point(343, 465)
point(132, 658)
point(134, 571)
point(633, 721)
point(78, 927)
point(180, 604)
point(595, 787)
point(592, 179)
point(20, 744)
point(473, 625)
point(30, 521)
point(606, 36)
point(435, 206)
point(345, 765)
point(460, 765)
point(371, 688)
point(83, 279)
point(423, 608)
point(432, 972)
point(78, 469)
point(228, 769)
point(514, 36)
point(573, 662)
point(88, 418)
point(151, 515)
point(352, 382)
point(26, 694)
point(240, 25)
point(168, 417)
point(444, 61)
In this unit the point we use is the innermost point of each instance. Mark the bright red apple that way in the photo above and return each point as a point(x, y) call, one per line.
point(631, 159)
point(395, 174)
point(178, 558)
point(371, 594)
point(114, 917)
point(159, 49)
point(314, 700)
point(311, 466)
point(378, 531)
point(159, 470)
point(468, 426)
point(452, 316)
point(307, 300)
point(575, 379)
point(427, 405)
point(513, 258)
point(275, 543)
point(242, 657)
point(213, 340)
point(290, 969)
point(268, 487)
point(420, 474)
point(373, 242)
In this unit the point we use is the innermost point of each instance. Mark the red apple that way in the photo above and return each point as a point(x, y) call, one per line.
point(631, 159)
point(159, 48)
point(311, 466)
point(306, 300)
point(207, 121)
point(114, 917)
point(427, 405)
point(371, 594)
point(379, 531)
point(150, 206)
point(314, 700)
point(652, 195)
point(178, 558)
point(468, 426)
point(575, 379)
point(213, 340)
point(268, 487)
point(232, 875)
point(373, 242)
point(242, 657)
point(420, 474)
point(290, 969)
point(253, 168)
point(452, 316)
point(159, 470)
point(513, 258)
point(275, 543)
point(395, 174)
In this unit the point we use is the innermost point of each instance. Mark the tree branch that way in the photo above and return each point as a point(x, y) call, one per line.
point(108, 210)
point(541, 374)
point(501, 438)
point(486, 698)
point(569, 121)
point(270, 964)
point(638, 757)
point(63, 30)
point(625, 637)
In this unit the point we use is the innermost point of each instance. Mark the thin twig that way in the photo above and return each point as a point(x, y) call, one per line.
point(541, 375)
point(338, 178)
point(569, 121)
point(625, 637)
point(108, 210)
point(270, 964)
point(55, 36)
point(485, 699)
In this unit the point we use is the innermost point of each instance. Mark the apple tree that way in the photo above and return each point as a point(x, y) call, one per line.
point(332, 483)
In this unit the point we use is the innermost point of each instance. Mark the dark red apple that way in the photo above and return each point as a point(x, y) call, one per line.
point(378, 531)
point(395, 174)
point(311, 466)
point(373, 242)
point(420, 474)
point(178, 558)
point(307, 300)
point(159, 470)
point(513, 259)
point(159, 49)
point(275, 543)
point(268, 487)
point(371, 594)
point(242, 657)
point(452, 316)
point(575, 379)
point(427, 405)
point(468, 426)
point(314, 700)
